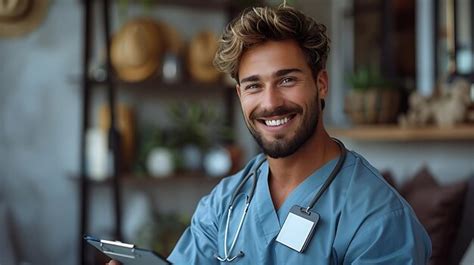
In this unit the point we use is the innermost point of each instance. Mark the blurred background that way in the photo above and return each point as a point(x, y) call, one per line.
point(124, 146)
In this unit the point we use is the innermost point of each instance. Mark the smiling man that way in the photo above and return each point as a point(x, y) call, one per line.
point(305, 199)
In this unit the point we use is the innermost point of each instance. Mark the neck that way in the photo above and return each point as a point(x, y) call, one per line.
point(288, 172)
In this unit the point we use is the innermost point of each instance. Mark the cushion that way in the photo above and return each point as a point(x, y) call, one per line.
point(439, 210)
point(387, 175)
point(465, 233)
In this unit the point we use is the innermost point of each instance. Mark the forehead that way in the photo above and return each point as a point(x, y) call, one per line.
point(271, 56)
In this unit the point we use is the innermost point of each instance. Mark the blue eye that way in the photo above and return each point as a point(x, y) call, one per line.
point(287, 81)
point(251, 86)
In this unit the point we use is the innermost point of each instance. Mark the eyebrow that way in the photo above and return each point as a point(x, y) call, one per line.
point(283, 72)
point(251, 78)
point(278, 73)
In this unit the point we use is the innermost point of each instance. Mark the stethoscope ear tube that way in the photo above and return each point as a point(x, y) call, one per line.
point(252, 173)
point(331, 177)
point(256, 172)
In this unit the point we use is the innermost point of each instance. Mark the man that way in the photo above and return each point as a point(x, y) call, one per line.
point(278, 58)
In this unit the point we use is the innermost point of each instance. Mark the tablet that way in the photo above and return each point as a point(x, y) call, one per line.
point(127, 254)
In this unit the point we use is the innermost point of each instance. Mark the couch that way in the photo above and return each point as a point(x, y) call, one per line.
point(446, 212)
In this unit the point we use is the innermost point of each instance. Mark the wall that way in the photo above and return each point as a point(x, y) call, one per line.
point(39, 136)
point(39, 133)
point(449, 161)
point(40, 111)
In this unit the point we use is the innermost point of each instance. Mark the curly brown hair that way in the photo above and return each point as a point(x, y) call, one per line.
point(260, 24)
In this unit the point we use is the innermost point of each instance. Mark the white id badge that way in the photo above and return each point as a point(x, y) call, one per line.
point(298, 228)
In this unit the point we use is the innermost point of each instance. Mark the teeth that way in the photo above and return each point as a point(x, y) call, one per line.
point(277, 122)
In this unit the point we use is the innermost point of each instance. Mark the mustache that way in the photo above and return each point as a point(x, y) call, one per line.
point(278, 111)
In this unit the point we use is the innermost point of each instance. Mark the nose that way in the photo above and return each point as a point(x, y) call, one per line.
point(271, 98)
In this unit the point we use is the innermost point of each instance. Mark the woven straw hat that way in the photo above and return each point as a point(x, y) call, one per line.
point(18, 17)
point(202, 49)
point(136, 50)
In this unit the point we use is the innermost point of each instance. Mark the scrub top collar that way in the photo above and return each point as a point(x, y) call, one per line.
point(271, 220)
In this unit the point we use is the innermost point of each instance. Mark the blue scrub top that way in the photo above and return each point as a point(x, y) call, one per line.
point(363, 220)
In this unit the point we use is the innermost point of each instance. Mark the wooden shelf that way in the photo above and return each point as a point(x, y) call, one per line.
point(217, 5)
point(395, 133)
point(145, 180)
point(156, 85)
point(177, 178)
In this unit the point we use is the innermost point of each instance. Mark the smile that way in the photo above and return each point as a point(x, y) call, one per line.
point(273, 122)
point(276, 122)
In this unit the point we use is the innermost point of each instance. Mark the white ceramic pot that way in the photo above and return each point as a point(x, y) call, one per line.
point(98, 156)
point(217, 162)
point(160, 162)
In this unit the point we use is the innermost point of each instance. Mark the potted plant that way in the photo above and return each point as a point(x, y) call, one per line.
point(372, 99)
point(196, 129)
point(155, 156)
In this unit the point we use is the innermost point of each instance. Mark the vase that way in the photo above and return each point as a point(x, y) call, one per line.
point(160, 162)
point(373, 106)
point(217, 162)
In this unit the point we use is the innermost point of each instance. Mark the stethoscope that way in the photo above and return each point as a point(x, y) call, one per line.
point(254, 173)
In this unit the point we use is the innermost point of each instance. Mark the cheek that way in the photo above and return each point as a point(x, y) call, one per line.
point(248, 105)
point(301, 93)
point(299, 99)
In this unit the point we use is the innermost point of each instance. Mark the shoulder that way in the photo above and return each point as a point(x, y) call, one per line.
point(219, 198)
point(376, 214)
point(369, 199)
point(227, 185)
point(367, 191)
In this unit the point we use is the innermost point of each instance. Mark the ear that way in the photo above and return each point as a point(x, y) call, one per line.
point(322, 83)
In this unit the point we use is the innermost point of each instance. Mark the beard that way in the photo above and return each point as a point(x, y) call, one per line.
point(281, 146)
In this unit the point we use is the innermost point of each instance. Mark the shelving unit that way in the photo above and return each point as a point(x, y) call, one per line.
point(395, 133)
point(153, 87)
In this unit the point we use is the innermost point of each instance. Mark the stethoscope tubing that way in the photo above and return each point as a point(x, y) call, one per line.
point(331, 177)
point(254, 173)
point(249, 197)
